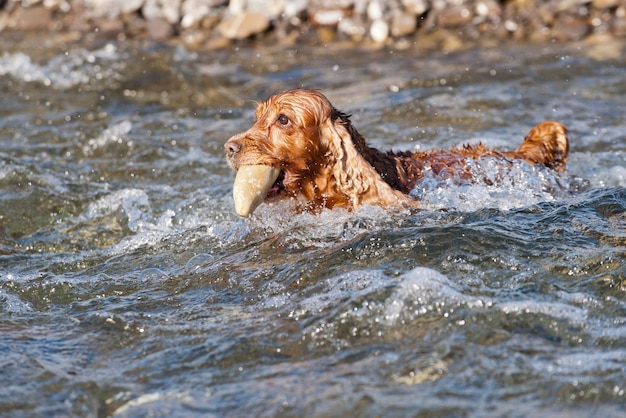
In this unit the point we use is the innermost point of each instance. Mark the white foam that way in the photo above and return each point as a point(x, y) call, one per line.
point(607, 361)
point(20, 66)
point(559, 310)
point(133, 202)
point(303, 229)
point(601, 170)
point(155, 403)
point(64, 71)
point(345, 287)
point(617, 174)
point(44, 178)
point(424, 290)
point(12, 303)
point(116, 134)
point(495, 185)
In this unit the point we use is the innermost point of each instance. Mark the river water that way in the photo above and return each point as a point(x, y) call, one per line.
point(128, 286)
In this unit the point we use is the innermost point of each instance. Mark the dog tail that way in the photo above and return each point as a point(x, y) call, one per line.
point(547, 144)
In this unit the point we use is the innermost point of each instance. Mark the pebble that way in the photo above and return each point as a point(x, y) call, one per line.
point(243, 25)
point(380, 21)
point(328, 17)
point(379, 31)
point(415, 7)
point(570, 28)
point(375, 11)
point(194, 11)
point(159, 29)
point(352, 28)
point(605, 4)
point(454, 16)
point(403, 24)
point(34, 18)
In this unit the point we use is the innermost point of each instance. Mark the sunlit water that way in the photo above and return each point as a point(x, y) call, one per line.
point(128, 287)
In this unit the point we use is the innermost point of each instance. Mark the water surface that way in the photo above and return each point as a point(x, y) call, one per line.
point(128, 286)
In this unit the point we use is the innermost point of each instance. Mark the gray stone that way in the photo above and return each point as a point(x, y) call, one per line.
point(159, 29)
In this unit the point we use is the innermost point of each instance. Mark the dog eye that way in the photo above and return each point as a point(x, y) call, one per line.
point(283, 120)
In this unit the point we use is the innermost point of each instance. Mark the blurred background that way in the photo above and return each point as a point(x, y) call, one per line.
point(446, 24)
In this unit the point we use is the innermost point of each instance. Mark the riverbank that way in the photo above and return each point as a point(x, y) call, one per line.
point(130, 288)
point(436, 24)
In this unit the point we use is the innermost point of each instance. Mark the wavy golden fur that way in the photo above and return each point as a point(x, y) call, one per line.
point(325, 162)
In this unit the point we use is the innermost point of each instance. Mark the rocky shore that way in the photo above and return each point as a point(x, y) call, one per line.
point(445, 24)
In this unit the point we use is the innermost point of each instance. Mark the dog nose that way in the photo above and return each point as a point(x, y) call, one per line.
point(232, 147)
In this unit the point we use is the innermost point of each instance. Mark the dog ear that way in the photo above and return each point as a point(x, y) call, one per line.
point(355, 177)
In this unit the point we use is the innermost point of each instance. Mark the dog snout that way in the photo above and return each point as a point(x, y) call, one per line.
point(232, 147)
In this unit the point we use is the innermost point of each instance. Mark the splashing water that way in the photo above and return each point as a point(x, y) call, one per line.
point(129, 287)
point(116, 134)
point(498, 184)
point(65, 71)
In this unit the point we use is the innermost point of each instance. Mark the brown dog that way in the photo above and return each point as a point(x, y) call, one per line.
point(302, 147)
